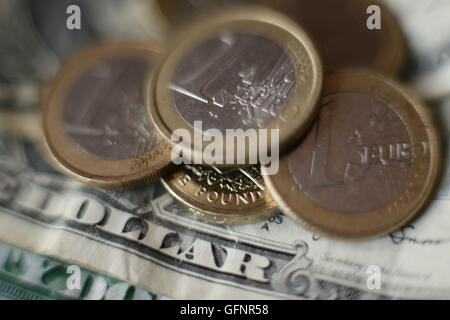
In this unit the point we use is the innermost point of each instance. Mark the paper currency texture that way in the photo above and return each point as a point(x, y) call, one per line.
point(144, 237)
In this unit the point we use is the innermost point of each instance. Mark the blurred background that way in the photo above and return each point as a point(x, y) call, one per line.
point(34, 38)
point(35, 41)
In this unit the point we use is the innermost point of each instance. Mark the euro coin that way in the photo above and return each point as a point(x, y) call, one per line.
point(347, 33)
point(239, 71)
point(95, 121)
point(222, 196)
point(350, 34)
point(368, 165)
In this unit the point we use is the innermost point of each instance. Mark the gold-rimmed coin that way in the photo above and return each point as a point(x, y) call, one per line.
point(230, 196)
point(95, 121)
point(251, 69)
point(368, 165)
point(350, 34)
point(347, 33)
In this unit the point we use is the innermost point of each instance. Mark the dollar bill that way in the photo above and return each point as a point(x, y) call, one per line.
point(144, 237)
point(28, 276)
point(35, 39)
point(112, 20)
point(443, 110)
point(427, 29)
point(27, 124)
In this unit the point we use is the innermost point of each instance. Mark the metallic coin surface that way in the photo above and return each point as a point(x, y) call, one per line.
point(252, 69)
point(95, 120)
point(103, 109)
point(338, 28)
point(367, 166)
point(222, 196)
point(252, 62)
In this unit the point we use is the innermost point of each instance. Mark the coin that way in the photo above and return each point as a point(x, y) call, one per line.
point(222, 196)
point(252, 69)
point(339, 29)
point(368, 165)
point(95, 121)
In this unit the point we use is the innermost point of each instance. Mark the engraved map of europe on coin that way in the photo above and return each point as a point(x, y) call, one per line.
point(95, 119)
point(242, 80)
point(246, 69)
point(368, 154)
point(367, 166)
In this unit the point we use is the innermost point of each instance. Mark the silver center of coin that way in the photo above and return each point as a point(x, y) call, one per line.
point(233, 81)
point(356, 158)
point(104, 110)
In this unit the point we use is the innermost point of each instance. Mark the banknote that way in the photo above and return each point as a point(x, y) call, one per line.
point(443, 110)
point(131, 243)
point(144, 237)
point(35, 39)
point(427, 29)
point(28, 276)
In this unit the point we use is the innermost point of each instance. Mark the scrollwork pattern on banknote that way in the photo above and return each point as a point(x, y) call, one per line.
point(294, 277)
point(148, 231)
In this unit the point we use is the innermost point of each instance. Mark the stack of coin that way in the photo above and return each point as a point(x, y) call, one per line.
point(359, 154)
